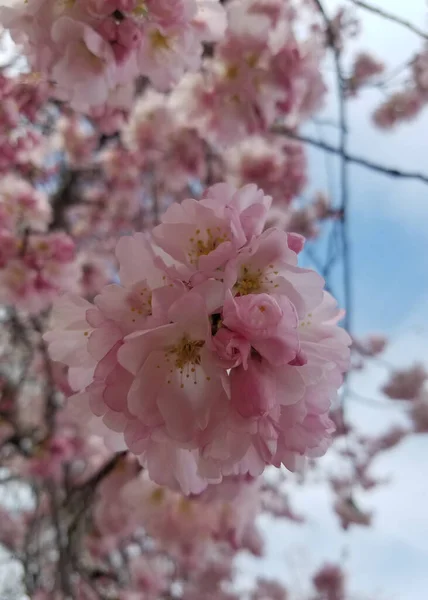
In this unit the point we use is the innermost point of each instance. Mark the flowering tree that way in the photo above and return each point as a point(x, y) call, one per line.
point(161, 345)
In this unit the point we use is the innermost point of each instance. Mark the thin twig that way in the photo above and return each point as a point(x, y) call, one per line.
point(344, 172)
point(373, 403)
point(357, 160)
point(344, 182)
point(380, 12)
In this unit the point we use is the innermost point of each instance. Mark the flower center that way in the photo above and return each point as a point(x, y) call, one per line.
point(157, 496)
point(140, 9)
point(232, 72)
point(159, 41)
point(140, 302)
point(205, 243)
point(250, 282)
point(255, 282)
point(186, 352)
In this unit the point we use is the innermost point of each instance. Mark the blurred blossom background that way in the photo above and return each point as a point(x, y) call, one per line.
point(362, 506)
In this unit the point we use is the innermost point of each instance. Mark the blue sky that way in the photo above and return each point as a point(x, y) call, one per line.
point(389, 242)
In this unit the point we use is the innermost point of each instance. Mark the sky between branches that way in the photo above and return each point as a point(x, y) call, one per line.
point(389, 236)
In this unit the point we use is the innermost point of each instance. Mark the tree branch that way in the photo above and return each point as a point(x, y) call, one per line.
point(344, 172)
point(105, 470)
point(51, 401)
point(380, 12)
point(80, 495)
point(63, 563)
point(351, 158)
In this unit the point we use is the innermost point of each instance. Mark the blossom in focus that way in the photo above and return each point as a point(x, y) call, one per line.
point(217, 354)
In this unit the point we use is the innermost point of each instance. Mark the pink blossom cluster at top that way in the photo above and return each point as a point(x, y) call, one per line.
point(259, 73)
point(169, 151)
point(173, 152)
point(217, 355)
point(93, 50)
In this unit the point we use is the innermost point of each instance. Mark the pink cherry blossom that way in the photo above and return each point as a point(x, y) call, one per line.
point(406, 384)
point(220, 319)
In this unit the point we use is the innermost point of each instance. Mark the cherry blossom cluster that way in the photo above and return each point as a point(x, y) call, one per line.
point(217, 355)
point(22, 147)
point(168, 151)
point(260, 72)
point(35, 268)
point(34, 264)
point(94, 50)
point(194, 538)
point(173, 154)
point(183, 526)
point(406, 104)
point(276, 165)
point(364, 70)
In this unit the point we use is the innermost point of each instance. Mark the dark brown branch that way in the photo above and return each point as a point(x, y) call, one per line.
point(351, 158)
point(80, 495)
point(380, 12)
point(63, 563)
point(50, 387)
point(29, 559)
point(62, 200)
point(92, 483)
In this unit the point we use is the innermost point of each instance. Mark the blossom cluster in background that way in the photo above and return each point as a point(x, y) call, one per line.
point(163, 352)
point(92, 51)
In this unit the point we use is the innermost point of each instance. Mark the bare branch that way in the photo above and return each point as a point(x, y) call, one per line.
point(81, 495)
point(374, 403)
point(351, 158)
point(380, 12)
point(109, 466)
point(63, 563)
point(344, 171)
point(50, 387)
